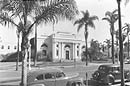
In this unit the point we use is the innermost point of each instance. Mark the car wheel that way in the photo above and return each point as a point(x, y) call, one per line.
point(110, 80)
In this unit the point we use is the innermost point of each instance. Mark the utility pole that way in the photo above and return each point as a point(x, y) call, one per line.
point(121, 45)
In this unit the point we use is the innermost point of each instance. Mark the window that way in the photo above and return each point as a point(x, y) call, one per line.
point(60, 74)
point(49, 76)
point(77, 53)
point(2, 47)
point(15, 47)
point(57, 52)
point(44, 52)
point(8, 47)
point(39, 77)
point(57, 45)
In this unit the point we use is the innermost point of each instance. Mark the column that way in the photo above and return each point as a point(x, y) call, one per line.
point(74, 51)
point(63, 53)
point(80, 51)
point(53, 50)
point(60, 51)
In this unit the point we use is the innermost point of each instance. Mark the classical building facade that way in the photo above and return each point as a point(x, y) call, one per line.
point(59, 46)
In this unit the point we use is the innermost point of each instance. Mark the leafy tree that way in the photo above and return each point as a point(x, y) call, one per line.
point(87, 21)
point(111, 17)
point(127, 29)
point(94, 49)
point(40, 11)
point(108, 42)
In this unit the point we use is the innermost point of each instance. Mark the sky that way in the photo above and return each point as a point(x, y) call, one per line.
point(95, 7)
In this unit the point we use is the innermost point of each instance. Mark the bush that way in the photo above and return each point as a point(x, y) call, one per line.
point(11, 57)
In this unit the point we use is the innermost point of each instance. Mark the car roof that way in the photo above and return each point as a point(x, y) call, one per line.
point(32, 74)
point(111, 65)
point(44, 70)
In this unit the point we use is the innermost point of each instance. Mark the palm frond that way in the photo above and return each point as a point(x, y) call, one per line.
point(108, 13)
point(58, 9)
point(6, 19)
point(107, 19)
point(116, 10)
point(80, 26)
point(79, 21)
point(91, 24)
point(94, 18)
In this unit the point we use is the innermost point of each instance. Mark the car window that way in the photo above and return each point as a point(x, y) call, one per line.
point(76, 84)
point(49, 76)
point(116, 68)
point(60, 74)
point(39, 77)
point(102, 68)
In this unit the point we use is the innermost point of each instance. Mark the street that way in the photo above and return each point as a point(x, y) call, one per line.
point(10, 77)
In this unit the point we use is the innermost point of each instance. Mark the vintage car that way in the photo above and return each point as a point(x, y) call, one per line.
point(51, 77)
point(109, 74)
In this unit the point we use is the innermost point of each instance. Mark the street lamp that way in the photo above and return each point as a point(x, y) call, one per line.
point(120, 45)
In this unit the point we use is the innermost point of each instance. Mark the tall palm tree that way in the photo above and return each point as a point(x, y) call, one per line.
point(40, 11)
point(127, 29)
point(111, 17)
point(86, 21)
point(18, 31)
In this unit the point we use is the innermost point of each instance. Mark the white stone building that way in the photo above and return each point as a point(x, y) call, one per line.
point(59, 47)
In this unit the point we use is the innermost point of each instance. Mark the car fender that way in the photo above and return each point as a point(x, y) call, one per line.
point(109, 78)
point(37, 85)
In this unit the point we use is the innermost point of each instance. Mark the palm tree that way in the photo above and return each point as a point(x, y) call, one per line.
point(40, 11)
point(86, 21)
point(111, 17)
point(18, 31)
point(127, 29)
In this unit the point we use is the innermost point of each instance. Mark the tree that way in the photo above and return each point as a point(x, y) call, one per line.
point(94, 50)
point(18, 31)
point(86, 21)
point(107, 41)
point(39, 11)
point(111, 17)
point(127, 29)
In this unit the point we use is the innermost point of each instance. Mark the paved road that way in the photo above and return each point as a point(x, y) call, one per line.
point(10, 77)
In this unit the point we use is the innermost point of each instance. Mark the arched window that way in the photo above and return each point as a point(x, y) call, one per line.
point(2, 47)
point(15, 47)
point(8, 47)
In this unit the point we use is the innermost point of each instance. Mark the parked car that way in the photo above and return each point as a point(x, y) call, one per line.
point(51, 77)
point(127, 61)
point(109, 74)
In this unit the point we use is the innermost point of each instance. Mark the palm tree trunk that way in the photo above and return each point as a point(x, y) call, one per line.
point(128, 46)
point(24, 61)
point(86, 49)
point(121, 45)
point(112, 51)
point(24, 47)
point(35, 56)
point(17, 63)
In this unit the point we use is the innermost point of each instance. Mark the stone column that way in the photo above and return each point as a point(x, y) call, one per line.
point(63, 53)
point(53, 50)
point(80, 51)
point(60, 51)
point(74, 51)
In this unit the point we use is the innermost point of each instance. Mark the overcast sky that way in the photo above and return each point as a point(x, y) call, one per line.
point(95, 7)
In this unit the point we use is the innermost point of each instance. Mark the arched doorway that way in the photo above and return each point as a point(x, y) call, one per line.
point(44, 49)
point(67, 52)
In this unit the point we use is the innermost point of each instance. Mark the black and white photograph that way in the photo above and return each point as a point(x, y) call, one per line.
point(64, 43)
